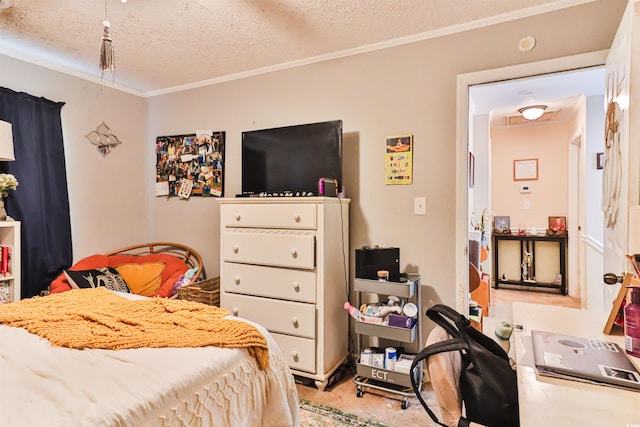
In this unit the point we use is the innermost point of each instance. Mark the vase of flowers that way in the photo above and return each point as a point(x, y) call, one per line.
point(482, 224)
point(7, 182)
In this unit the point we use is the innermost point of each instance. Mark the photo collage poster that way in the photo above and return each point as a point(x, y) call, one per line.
point(399, 159)
point(190, 165)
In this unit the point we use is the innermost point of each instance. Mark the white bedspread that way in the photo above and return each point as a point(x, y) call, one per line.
point(41, 385)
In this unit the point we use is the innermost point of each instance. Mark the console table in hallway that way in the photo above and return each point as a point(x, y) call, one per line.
point(528, 245)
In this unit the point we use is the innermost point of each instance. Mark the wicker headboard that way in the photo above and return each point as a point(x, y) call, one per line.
point(189, 255)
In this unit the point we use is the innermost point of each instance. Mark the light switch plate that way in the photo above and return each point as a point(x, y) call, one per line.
point(420, 206)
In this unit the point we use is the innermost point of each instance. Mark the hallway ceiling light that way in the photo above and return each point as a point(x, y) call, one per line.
point(532, 112)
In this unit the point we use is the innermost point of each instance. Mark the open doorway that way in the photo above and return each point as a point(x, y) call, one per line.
point(486, 96)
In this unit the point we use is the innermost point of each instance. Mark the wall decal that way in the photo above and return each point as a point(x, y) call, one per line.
point(103, 139)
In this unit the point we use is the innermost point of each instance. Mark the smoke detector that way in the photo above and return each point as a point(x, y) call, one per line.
point(527, 43)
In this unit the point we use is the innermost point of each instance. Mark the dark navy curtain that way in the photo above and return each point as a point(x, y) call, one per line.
point(41, 201)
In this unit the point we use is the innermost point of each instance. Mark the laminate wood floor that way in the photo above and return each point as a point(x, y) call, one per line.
point(386, 408)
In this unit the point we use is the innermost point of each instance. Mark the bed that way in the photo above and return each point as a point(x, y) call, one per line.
point(45, 384)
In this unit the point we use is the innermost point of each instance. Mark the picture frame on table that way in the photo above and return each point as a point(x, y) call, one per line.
point(557, 226)
point(502, 225)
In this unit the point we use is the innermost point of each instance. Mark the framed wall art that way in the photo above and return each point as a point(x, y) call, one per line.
point(525, 169)
point(399, 159)
point(190, 165)
point(599, 160)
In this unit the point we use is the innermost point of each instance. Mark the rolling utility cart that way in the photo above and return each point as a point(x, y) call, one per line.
point(408, 339)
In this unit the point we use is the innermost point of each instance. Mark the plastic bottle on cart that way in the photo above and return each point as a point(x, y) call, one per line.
point(354, 312)
point(632, 324)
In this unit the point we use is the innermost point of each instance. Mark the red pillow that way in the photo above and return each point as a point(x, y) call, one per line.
point(174, 267)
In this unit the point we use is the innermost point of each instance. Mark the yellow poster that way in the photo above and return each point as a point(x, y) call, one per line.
point(399, 160)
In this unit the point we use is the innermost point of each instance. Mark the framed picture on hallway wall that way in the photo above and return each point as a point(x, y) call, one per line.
point(525, 169)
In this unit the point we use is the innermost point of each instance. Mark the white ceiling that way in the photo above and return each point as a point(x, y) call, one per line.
point(560, 92)
point(168, 45)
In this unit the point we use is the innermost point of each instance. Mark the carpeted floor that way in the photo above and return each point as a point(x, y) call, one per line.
point(376, 406)
point(316, 415)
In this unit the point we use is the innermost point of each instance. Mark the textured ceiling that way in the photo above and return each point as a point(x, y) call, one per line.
point(168, 44)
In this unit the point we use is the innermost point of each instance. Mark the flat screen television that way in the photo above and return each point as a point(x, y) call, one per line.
point(292, 158)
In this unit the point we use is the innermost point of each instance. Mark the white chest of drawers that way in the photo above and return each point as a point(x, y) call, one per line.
point(284, 264)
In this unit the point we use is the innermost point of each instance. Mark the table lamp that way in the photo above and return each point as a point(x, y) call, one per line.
point(6, 141)
point(6, 154)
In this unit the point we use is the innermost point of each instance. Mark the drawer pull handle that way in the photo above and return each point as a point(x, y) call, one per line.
point(296, 218)
point(237, 280)
point(238, 217)
point(235, 249)
point(294, 253)
point(294, 321)
point(296, 287)
point(235, 311)
point(294, 354)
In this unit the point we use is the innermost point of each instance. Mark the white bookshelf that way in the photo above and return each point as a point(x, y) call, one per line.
point(10, 236)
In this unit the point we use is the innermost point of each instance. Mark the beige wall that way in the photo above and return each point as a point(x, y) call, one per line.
point(548, 197)
point(552, 144)
point(405, 89)
point(106, 194)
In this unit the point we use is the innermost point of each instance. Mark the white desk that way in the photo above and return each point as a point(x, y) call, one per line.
point(550, 402)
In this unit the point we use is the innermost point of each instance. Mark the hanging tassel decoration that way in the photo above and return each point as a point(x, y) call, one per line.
point(107, 47)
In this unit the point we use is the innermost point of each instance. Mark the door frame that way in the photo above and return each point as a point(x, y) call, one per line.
point(576, 215)
point(464, 81)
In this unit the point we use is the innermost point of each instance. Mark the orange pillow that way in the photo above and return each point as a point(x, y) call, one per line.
point(174, 268)
point(143, 279)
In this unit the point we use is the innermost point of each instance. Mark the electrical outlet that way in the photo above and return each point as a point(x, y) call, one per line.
point(420, 206)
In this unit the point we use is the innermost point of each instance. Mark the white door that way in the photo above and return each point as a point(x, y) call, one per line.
point(621, 174)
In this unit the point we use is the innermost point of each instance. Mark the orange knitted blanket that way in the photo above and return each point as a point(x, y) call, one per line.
point(99, 318)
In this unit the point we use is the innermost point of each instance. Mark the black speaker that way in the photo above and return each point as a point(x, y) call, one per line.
point(369, 261)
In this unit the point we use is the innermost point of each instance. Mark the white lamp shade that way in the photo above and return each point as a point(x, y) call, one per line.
point(534, 112)
point(6, 141)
